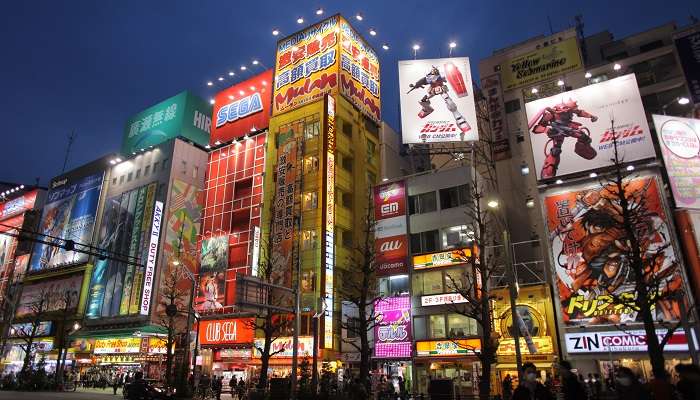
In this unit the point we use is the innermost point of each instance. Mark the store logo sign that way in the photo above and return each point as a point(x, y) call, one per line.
point(239, 109)
point(226, 331)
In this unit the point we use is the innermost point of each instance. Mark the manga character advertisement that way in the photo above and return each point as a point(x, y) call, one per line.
point(589, 251)
point(53, 291)
point(436, 104)
point(214, 261)
point(69, 213)
point(572, 132)
point(392, 330)
point(115, 283)
point(679, 140)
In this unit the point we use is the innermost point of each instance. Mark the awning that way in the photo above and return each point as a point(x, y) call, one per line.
point(145, 330)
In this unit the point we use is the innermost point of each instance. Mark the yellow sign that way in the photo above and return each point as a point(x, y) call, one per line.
point(542, 345)
point(306, 66)
point(359, 72)
point(542, 64)
point(443, 348)
point(117, 345)
point(442, 259)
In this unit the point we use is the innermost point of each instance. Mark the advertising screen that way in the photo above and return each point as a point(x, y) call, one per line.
point(689, 55)
point(391, 251)
point(589, 258)
point(359, 72)
point(679, 139)
point(242, 108)
point(116, 285)
point(572, 132)
point(69, 213)
point(542, 64)
point(392, 331)
point(437, 101)
point(306, 66)
point(54, 293)
point(183, 115)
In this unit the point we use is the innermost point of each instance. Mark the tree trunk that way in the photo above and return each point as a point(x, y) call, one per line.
point(656, 354)
point(265, 356)
point(169, 355)
point(488, 351)
point(364, 362)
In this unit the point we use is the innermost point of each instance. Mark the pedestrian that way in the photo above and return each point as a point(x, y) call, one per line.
point(507, 386)
point(232, 384)
point(597, 386)
point(402, 388)
point(688, 386)
point(571, 388)
point(241, 389)
point(529, 388)
point(628, 387)
point(216, 386)
point(115, 384)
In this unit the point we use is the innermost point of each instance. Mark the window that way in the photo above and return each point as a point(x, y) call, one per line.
point(165, 164)
point(243, 188)
point(353, 328)
point(138, 173)
point(346, 237)
point(347, 129)
point(460, 326)
point(656, 70)
point(454, 197)
point(419, 328)
point(617, 56)
point(424, 242)
point(346, 163)
point(114, 181)
point(371, 149)
point(310, 201)
point(651, 46)
point(121, 179)
point(455, 236)
point(308, 281)
point(346, 200)
point(128, 179)
point(371, 127)
point(398, 284)
point(308, 240)
point(146, 170)
point(312, 126)
point(310, 164)
point(422, 203)
point(437, 327)
point(512, 106)
point(426, 283)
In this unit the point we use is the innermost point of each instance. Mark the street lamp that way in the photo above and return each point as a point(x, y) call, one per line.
point(681, 100)
point(452, 45)
point(493, 204)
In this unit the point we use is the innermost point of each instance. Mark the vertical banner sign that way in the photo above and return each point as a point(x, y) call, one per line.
point(688, 48)
point(497, 116)
point(283, 218)
point(392, 250)
point(329, 216)
point(679, 139)
point(392, 330)
point(256, 251)
point(359, 72)
point(151, 260)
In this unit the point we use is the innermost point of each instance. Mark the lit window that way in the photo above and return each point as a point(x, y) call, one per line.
point(310, 164)
point(310, 201)
point(308, 240)
point(437, 327)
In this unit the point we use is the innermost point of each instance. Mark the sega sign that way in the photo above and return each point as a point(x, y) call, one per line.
point(227, 331)
point(242, 108)
point(239, 109)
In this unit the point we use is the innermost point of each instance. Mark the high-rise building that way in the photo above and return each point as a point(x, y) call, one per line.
point(323, 158)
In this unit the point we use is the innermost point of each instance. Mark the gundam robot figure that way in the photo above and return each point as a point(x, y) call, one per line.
point(437, 85)
point(557, 122)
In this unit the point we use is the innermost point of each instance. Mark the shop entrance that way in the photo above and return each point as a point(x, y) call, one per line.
point(390, 372)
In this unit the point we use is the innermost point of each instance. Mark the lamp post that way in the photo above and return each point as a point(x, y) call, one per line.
point(681, 100)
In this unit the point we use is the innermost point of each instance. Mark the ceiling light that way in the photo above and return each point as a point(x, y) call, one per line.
point(385, 179)
point(112, 162)
point(243, 68)
point(300, 20)
point(221, 78)
point(230, 97)
point(275, 32)
point(255, 62)
point(217, 143)
point(252, 88)
point(588, 75)
point(530, 202)
point(492, 203)
point(524, 169)
point(21, 186)
point(241, 92)
point(119, 160)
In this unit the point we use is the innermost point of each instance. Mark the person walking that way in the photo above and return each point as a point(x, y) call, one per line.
point(571, 388)
point(115, 384)
point(530, 388)
point(507, 386)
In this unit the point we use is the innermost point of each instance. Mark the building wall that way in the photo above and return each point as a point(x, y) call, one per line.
point(394, 163)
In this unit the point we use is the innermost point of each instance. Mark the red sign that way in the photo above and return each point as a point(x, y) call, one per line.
point(226, 331)
point(392, 253)
point(389, 200)
point(18, 205)
point(242, 108)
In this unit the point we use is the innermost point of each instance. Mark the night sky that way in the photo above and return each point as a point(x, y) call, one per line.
point(88, 65)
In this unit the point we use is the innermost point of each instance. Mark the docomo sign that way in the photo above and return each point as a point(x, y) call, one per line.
point(389, 200)
point(226, 331)
point(603, 342)
point(440, 299)
point(151, 260)
point(242, 108)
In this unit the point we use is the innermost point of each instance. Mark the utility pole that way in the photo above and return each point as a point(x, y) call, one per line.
point(513, 296)
point(71, 139)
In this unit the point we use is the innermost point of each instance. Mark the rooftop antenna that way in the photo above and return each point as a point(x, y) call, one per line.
point(71, 139)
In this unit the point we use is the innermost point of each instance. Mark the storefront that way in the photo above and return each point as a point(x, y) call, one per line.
point(393, 347)
point(226, 348)
point(13, 359)
point(448, 359)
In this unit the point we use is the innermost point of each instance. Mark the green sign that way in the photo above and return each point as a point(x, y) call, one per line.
point(183, 115)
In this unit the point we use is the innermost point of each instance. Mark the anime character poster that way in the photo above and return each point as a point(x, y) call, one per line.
point(589, 252)
point(215, 253)
point(214, 261)
point(572, 132)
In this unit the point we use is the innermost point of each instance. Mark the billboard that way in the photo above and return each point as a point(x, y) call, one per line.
point(283, 347)
point(53, 291)
point(497, 116)
point(541, 64)
point(226, 331)
point(306, 66)
point(436, 104)
point(392, 330)
point(214, 262)
point(283, 217)
point(447, 348)
point(115, 286)
point(619, 341)
point(572, 132)
point(679, 139)
point(69, 213)
point(688, 49)
point(391, 250)
point(589, 263)
point(183, 115)
point(359, 72)
point(18, 205)
point(329, 222)
point(242, 108)
point(442, 259)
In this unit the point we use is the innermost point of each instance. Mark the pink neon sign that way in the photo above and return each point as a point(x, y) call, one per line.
point(392, 332)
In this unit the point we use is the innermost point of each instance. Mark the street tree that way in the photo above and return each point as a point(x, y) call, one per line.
point(172, 311)
point(360, 292)
point(37, 307)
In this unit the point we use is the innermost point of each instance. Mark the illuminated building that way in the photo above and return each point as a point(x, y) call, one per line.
point(325, 132)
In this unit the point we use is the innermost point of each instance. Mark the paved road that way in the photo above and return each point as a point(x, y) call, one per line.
point(81, 395)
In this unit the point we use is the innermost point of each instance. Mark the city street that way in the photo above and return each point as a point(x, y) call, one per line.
point(80, 394)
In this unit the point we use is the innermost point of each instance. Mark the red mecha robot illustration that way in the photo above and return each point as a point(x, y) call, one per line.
point(557, 122)
point(438, 85)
